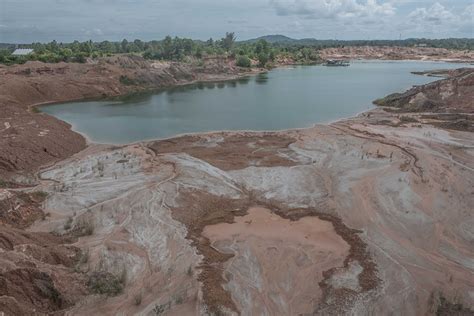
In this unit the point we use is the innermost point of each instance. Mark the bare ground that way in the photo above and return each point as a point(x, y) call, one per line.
point(384, 188)
point(392, 190)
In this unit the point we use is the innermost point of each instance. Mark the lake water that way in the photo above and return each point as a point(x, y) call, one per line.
point(281, 99)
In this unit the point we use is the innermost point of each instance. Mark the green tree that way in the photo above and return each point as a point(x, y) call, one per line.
point(243, 61)
point(262, 59)
point(228, 41)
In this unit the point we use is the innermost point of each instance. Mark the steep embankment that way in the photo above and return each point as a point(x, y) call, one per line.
point(30, 140)
point(450, 101)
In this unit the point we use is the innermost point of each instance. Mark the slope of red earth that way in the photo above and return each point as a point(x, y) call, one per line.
point(448, 103)
point(29, 140)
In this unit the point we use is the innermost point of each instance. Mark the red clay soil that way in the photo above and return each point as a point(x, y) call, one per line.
point(19, 209)
point(453, 94)
point(200, 209)
point(396, 53)
point(36, 274)
point(233, 151)
point(30, 140)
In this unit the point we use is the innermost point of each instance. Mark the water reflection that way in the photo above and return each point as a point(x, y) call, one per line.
point(276, 100)
point(132, 98)
point(261, 78)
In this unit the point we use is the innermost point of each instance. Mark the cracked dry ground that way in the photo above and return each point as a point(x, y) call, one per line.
point(353, 217)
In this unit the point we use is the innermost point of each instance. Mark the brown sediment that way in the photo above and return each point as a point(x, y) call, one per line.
point(200, 209)
point(19, 209)
point(337, 300)
point(37, 273)
point(196, 211)
point(454, 121)
point(453, 94)
point(397, 53)
point(231, 151)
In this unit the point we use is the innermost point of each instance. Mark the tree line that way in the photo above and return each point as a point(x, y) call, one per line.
point(179, 49)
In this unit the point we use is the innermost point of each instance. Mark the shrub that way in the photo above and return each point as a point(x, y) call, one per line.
point(126, 81)
point(262, 59)
point(243, 61)
point(81, 228)
point(68, 223)
point(102, 282)
point(137, 299)
point(39, 195)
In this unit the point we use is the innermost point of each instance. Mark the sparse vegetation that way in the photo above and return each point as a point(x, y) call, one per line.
point(103, 282)
point(39, 195)
point(408, 119)
point(442, 306)
point(68, 223)
point(83, 258)
point(158, 309)
point(243, 61)
point(137, 299)
point(179, 299)
point(34, 109)
point(127, 81)
point(83, 228)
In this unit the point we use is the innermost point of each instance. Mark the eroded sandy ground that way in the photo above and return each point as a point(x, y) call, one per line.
point(355, 217)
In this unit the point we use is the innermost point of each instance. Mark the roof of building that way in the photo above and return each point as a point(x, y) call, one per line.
point(22, 51)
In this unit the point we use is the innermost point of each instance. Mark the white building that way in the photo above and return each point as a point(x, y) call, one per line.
point(22, 51)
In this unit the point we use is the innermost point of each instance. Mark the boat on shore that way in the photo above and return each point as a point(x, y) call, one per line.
point(336, 63)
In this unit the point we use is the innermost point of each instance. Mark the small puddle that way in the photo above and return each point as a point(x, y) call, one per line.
point(277, 263)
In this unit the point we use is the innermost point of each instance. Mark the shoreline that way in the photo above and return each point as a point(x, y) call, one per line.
point(259, 71)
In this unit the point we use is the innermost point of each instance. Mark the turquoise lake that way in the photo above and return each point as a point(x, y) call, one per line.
point(280, 99)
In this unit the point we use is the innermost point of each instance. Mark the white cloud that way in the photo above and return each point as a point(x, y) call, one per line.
point(436, 14)
point(331, 8)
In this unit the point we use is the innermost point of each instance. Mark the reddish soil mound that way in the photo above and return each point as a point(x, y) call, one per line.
point(230, 151)
point(36, 272)
point(454, 94)
point(30, 140)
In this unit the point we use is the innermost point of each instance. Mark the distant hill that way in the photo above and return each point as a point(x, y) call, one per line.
point(274, 39)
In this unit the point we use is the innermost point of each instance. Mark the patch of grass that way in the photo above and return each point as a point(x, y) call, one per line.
point(102, 282)
point(68, 223)
point(137, 299)
point(34, 109)
point(442, 306)
point(179, 300)
point(127, 81)
point(159, 309)
point(408, 119)
point(39, 195)
point(83, 228)
point(83, 258)
point(3, 183)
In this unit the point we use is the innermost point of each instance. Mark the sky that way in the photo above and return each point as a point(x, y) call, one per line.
point(26, 21)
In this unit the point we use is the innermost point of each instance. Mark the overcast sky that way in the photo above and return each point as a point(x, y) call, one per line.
point(25, 21)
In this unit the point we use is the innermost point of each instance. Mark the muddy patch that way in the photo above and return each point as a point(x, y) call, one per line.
point(277, 263)
point(232, 151)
